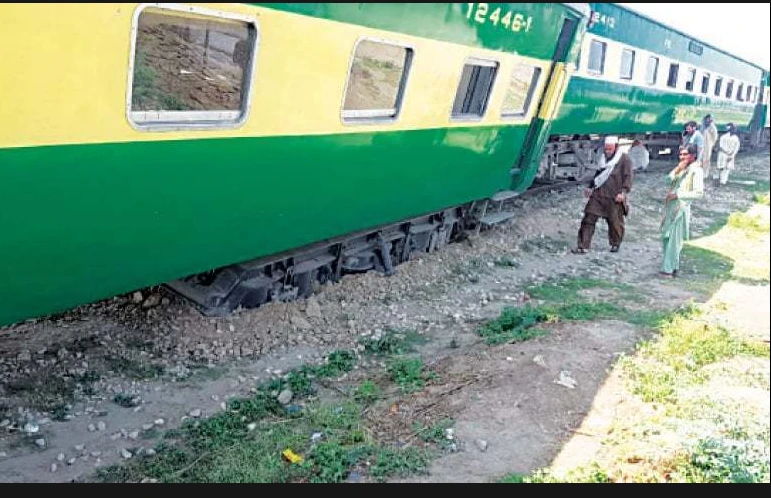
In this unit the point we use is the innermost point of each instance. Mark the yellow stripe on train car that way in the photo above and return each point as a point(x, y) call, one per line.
point(65, 77)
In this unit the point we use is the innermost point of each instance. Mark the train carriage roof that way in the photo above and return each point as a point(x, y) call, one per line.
point(647, 38)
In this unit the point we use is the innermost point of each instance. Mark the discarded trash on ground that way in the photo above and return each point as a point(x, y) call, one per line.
point(566, 380)
point(291, 456)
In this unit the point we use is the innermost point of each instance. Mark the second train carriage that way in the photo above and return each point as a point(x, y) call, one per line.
point(639, 78)
point(145, 143)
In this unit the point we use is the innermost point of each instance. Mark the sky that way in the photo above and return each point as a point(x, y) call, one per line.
point(741, 29)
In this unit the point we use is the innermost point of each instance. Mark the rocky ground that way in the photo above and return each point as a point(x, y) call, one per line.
point(98, 385)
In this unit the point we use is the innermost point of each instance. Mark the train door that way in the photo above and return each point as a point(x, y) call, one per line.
point(526, 167)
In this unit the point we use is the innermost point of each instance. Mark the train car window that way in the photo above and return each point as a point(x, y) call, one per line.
point(597, 57)
point(627, 64)
point(739, 94)
point(672, 79)
point(376, 80)
point(749, 93)
point(691, 79)
point(705, 83)
point(718, 85)
point(190, 68)
point(519, 94)
point(729, 90)
point(474, 88)
point(652, 70)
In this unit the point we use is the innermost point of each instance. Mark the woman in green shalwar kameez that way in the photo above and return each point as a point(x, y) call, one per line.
point(686, 184)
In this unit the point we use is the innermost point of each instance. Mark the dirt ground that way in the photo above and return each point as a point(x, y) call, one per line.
point(517, 407)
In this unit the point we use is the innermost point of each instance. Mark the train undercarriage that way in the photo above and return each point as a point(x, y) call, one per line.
point(295, 274)
point(575, 157)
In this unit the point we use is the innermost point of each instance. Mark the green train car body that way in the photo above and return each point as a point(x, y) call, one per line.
point(610, 95)
point(93, 205)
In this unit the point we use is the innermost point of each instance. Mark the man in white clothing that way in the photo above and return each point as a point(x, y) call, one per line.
point(709, 130)
point(639, 155)
point(728, 147)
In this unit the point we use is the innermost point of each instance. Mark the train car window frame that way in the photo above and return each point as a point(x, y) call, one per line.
point(603, 46)
point(705, 81)
point(652, 81)
point(718, 85)
point(535, 81)
point(674, 73)
point(630, 75)
point(377, 116)
point(690, 82)
point(474, 62)
point(169, 120)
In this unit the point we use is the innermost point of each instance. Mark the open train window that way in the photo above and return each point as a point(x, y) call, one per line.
point(691, 79)
point(474, 88)
point(729, 90)
point(190, 67)
point(596, 57)
point(376, 81)
point(672, 79)
point(519, 94)
point(705, 83)
point(739, 94)
point(749, 93)
point(718, 85)
point(652, 71)
point(627, 64)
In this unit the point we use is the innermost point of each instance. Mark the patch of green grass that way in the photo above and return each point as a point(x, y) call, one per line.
point(337, 364)
point(245, 442)
point(748, 223)
point(506, 262)
point(706, 269)
point(685, 346)
point(392, 462)
point(514, 325)
point(592, 473)
point(125, 400)
point(367, 393)
point(329, 438)
point(393, 342)
point(408, 373)
point(587, 311)
point(650, 319)
point(561, 291)
point(435, 433)
point(761, 198)
point(716, 460)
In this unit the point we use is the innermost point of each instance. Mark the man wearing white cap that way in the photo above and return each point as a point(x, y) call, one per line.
point(607, 193)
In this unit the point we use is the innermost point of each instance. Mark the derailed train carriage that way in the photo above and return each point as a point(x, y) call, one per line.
point(640, 79)
point(153, 143)
point(242, 152)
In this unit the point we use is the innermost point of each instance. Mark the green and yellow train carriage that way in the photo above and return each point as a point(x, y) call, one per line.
point(639, 78)
point(277, 143)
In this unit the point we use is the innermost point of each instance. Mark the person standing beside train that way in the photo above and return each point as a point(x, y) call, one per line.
point(607, 193)
point(709, 130)
point(686, 183)
point(692, 135)
point(639, 155)
point(726, 153)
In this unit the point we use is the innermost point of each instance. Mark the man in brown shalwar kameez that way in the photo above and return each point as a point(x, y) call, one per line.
point(607, 194)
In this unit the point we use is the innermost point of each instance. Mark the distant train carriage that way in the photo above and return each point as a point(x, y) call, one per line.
point(639, 78)
point(152, 143)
